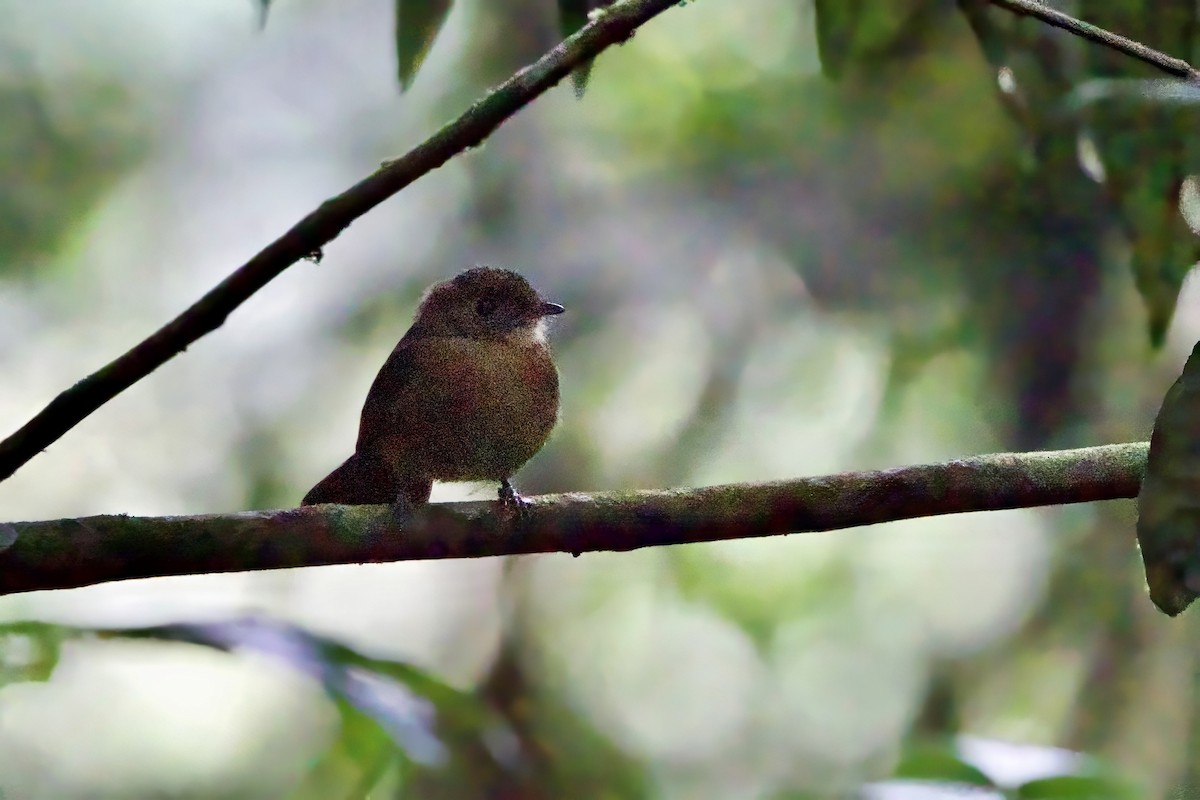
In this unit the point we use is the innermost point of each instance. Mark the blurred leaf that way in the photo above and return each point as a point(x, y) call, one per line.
point(870, 33)
point(417, 25)
point(396, 697)
point(29, 651)
point(1078, 787)
point(1168, 526)
point(363, 757)
point(935, 762)
point(264, 6)
point(369, 748)
point(992, 42)
point(1145, 131)
point(398, 722)
point(62, 146)
point(1144, 151)
point(916, 343)
point(459, 715)
point(1164, 247)
point(1151, 92)
point(756, 607)
point(836, 24)
point(573, 15)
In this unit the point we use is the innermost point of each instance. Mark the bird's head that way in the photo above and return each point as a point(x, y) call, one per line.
point(485, 303)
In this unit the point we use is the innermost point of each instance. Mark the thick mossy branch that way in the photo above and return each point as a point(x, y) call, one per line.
point(67, 553)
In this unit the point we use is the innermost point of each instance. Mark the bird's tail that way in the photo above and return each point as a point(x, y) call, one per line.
point(358, 481)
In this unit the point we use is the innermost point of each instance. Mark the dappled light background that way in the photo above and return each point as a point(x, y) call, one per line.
point(767, 275)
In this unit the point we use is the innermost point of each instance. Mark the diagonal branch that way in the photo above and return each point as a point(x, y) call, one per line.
point(67, 553)
point(306, 237)
point(1148, 55)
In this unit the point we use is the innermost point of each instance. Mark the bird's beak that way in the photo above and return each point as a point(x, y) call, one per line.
point(550, 309)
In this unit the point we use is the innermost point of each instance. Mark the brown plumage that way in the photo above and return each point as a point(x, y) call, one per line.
point(469, 394)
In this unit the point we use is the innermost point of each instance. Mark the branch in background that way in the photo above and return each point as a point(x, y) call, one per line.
point(1169, 64)
point(615, 25)
point(68, 553)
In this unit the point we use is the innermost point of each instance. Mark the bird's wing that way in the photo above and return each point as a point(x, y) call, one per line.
point(391, 390)
point(409, 397)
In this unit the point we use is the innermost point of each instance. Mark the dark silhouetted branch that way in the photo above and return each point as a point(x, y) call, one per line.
point(68, 553)
point(613, 26)
point(1148, 55)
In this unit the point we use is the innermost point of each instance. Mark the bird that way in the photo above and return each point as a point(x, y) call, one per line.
point(470, 393)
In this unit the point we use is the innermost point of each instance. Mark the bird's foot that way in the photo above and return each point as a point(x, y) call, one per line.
point(511, 501)
point(402, 509)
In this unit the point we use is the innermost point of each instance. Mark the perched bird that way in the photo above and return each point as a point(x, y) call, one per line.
point(469, 394)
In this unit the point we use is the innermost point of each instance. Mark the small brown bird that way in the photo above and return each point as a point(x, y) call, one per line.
point(469, 394)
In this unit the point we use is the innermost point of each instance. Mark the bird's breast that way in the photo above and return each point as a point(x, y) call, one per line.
point(501, 403)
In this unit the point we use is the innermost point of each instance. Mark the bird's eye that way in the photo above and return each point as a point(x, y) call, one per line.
point(484, 306)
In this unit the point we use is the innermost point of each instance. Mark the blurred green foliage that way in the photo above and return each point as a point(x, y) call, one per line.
point(29, 651)
point(931, 262)
point(418, 22)
point(64, 143)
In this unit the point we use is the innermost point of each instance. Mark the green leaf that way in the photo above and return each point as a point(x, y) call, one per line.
point(29, 651)
point(417, 25)
point(870, 34)
point(1168, 526)
point(932, 762)
point(64, 145)
point(1164, 247)
point(1145, 135)
point(836, 21)
point(1078, 787)
point(371, 686)
point(573, 15)
point(458, 713)
point(363, 757)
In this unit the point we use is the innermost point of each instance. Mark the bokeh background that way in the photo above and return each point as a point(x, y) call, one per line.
point(768, 274)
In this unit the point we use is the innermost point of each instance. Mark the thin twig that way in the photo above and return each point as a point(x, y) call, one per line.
point(615, 25)
point(1148, 55)
point(67, 553)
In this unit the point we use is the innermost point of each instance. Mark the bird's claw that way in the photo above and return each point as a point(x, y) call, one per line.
point(402, 509)
point(510, 500)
